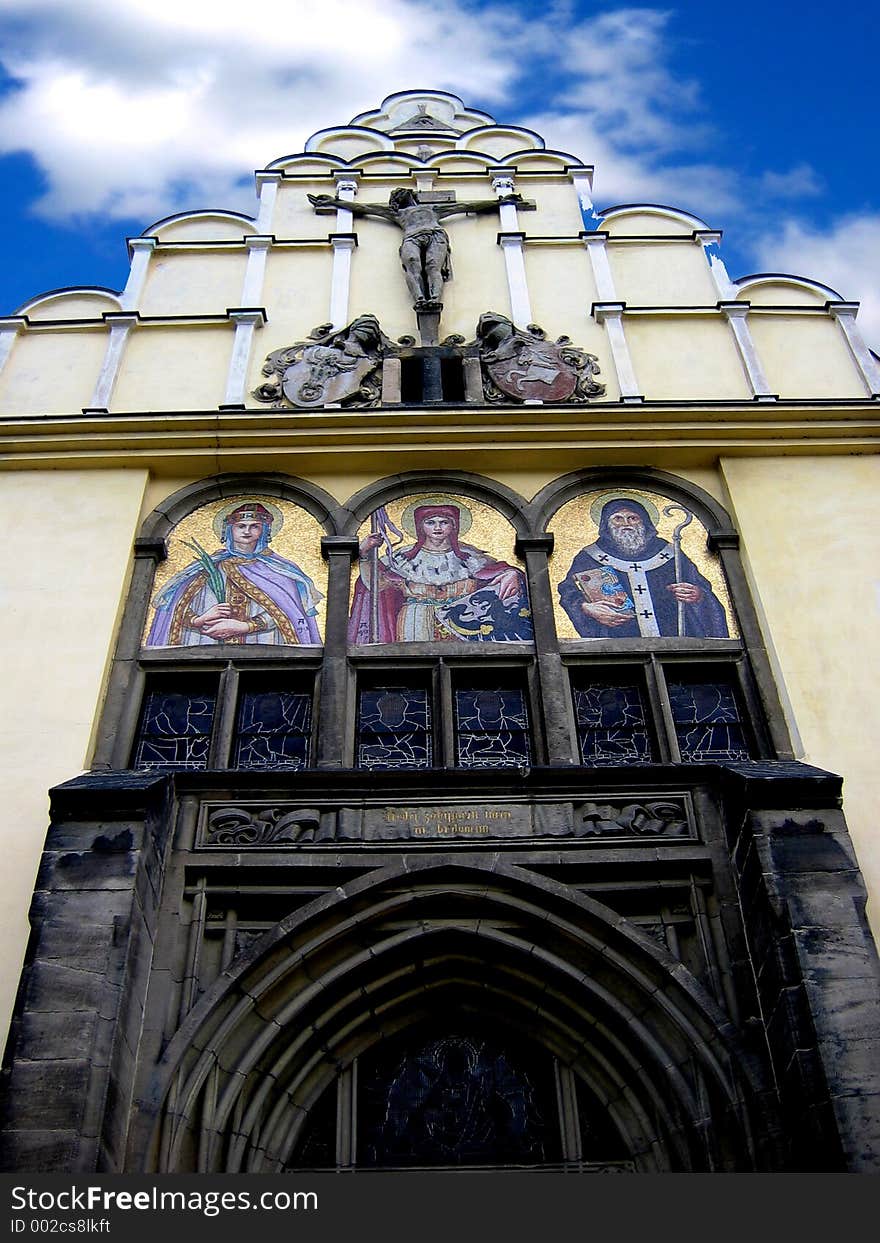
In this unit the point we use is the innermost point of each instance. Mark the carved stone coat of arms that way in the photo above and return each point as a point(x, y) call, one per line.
point(333, 367)
point(522, 365)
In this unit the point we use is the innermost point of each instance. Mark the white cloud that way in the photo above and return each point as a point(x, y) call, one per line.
point(846, 256)
point(133, 106)
point(139, 108)
point(802, 181)
point(144, 107)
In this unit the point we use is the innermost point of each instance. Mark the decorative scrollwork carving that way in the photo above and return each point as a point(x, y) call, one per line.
point(338, 367)
point(655, 819)
point(269, 826)
point(522, 365)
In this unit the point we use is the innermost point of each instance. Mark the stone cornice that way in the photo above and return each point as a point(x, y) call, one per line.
point(610, 432)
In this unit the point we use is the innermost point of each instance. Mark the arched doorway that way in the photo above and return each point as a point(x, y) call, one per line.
point(455, 1015)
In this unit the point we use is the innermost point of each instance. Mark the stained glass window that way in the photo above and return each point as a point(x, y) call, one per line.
point(491, 728)
point(453, 1099)
point(272, 729)
point(175, 727)
point(394, 728)
point(707, 721)
point(611, 724)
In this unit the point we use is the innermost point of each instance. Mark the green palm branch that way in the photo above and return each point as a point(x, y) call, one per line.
point(216, 581)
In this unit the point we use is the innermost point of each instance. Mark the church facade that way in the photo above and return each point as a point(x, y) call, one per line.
point(444, 636)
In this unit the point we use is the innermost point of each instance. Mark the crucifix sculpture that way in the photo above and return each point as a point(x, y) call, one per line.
point(424, 249)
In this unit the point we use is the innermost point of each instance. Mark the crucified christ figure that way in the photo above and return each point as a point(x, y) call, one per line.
point(424, 250)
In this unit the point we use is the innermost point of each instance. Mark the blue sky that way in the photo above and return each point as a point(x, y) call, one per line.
point(757, 117)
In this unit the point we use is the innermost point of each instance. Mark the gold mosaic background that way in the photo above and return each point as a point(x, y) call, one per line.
point(573, 529)
point(299, 540)
point(489, 532)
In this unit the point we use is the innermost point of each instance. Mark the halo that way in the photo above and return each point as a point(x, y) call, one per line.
point(236, 503)
point(622, 494)
point(408, 517)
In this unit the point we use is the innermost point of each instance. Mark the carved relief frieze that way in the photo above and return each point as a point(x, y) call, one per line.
point(264, 826)
point(656, 819)
point(285, 825)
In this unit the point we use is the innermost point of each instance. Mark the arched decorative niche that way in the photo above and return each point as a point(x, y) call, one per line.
point(649, 219)
point(524, 981)
point(440, 586)
point(784, 289)
point(656, 627)
point(460, 585)
point(228, 572)
point(74, 302)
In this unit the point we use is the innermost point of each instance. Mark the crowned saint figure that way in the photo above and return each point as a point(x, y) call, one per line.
point(242, 593)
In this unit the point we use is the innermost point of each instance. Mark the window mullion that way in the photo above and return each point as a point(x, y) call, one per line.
point(664, 725)
point(127, 731)
point(224, 724)
point(444, 715)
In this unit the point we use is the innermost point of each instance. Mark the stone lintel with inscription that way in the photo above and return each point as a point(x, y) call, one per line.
point(284, 825)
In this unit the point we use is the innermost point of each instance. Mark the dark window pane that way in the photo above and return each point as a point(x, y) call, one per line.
point(707, 721)
point(175, 728)
point(394, 728)
point(317, 1148)
point(491, 728)
point(273, 729)
point(611, 724)
point(456, 1099)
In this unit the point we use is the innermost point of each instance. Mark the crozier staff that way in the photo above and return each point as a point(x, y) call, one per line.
point(632, 583)
point(400, 594)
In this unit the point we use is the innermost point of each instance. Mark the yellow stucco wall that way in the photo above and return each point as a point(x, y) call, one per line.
point(810, 528)
point(63, 585)
point(665, 273)
point(296, 295)
point(685, 358)
point(193, 282)
point(474, 247)
point(52, 372)
point(179, 367)
point(557, 211)
point(294, 216)
point(805, 354)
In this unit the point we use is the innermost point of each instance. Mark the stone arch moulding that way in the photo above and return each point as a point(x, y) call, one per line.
point(150, 550)
point(320, 504)
point(722, 539)
point(239, 1078)
point(556, 493)
point(508, 502)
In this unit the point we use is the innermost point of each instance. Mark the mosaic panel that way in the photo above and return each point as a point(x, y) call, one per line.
point(245, 570)
point(419, 580)
point(631, 564)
